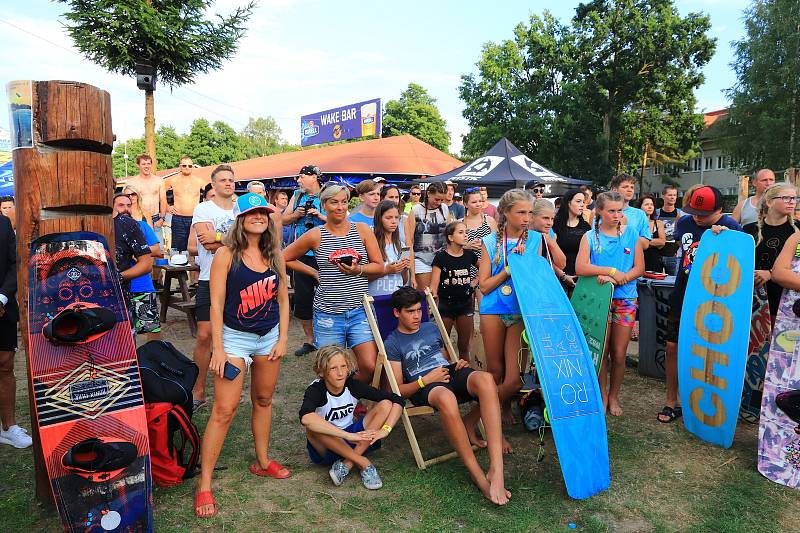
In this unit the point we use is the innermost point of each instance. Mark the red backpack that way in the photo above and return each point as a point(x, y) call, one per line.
point(171, 432)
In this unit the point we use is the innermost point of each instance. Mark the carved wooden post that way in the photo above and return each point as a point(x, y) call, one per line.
point(744, 187)
point(63, 182)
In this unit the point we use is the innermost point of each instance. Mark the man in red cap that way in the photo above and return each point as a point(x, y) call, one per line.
point(704, 208)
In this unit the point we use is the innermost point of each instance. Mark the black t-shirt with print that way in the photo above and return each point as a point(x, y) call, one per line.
point(454, 283)
point(772, 240)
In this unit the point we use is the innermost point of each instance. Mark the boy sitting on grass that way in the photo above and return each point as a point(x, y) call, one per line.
point(334, 437)
point(414, 350)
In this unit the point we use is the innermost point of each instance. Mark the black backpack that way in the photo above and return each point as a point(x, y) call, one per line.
point(167, 375)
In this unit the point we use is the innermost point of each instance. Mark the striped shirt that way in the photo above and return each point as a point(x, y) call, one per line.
point(478, 233)
point(338, 292)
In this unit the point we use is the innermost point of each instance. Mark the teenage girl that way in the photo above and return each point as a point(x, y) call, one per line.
point(773, 227)
point(501, 319)
point(652, 256)
point(392, 193)
point(479, 224)
point(613, 254)
point(542, 221)
point(451, 284)
point(398, 270)
point(247, 333)
point(570, 226)
point(426, 224)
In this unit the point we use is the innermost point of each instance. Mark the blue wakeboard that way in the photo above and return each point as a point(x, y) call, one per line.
point(714, 335)
point(567, 374)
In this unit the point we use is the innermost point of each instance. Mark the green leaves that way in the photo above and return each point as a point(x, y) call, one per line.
point(174, 35)
point(415, 113)
point(763, 126)
point(601, 95)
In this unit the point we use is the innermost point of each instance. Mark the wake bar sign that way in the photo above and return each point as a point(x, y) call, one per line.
point(362, 119)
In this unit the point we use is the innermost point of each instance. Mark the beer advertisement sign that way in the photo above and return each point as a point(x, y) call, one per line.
point(353, 121)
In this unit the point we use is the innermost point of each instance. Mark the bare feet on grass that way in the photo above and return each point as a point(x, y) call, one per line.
point(507, 446)
point(497, 490)
point(614, 408)
point(474, 439)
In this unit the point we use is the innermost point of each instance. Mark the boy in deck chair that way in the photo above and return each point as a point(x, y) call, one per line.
point(334, 437)
point(414, 350)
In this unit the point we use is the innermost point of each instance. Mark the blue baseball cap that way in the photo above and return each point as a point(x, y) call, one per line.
point(250, 201)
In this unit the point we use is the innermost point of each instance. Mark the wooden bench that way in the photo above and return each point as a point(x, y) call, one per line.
point(189, 309)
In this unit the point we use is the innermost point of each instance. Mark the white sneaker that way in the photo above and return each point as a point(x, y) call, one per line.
point(16, 437)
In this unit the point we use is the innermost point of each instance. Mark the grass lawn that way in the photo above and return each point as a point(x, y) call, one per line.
point(663, 479)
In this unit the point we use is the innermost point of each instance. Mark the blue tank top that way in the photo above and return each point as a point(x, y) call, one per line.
point(251, 300)
point(496, 303)
point(618, 252)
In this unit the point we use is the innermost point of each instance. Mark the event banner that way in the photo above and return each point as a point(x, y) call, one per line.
point(348, 122)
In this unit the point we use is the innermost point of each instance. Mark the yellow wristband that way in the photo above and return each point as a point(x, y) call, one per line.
point(387, 428)
point(612, 271)
point(218, 237)
point(420, 382)
point(508, 271)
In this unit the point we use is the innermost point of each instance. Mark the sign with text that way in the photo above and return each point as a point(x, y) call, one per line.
point(362, 119)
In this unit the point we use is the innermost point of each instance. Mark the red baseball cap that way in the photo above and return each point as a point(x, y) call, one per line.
point(704, 201)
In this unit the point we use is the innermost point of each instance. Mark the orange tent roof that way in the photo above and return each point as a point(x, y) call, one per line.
point(403, 154)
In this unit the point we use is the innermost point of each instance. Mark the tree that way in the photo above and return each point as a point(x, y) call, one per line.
point(763, 125)
point(415, 113)
point(174, 36)
point(602, 95)
point(262, 136)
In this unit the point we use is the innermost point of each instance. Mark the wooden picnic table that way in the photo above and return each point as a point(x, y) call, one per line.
point(182, 299)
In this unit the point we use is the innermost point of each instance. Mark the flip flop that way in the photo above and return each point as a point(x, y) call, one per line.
point(272, 470)
point(672, 413)
point(202, 499)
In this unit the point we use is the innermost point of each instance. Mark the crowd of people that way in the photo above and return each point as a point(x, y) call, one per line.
point(252, 247)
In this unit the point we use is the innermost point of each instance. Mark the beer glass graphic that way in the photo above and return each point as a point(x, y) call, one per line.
point(369, 114)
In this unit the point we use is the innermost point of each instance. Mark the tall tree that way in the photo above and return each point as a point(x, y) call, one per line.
point(415, 113)
point(262, 136)
point(173, 35)
point(763, 126)
point(604, 94)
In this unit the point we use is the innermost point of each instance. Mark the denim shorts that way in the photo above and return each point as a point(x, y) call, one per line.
point(245, 345)
point(346, 329)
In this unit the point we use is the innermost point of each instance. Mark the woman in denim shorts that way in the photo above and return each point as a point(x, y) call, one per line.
point(347, 256)
point(249, 328)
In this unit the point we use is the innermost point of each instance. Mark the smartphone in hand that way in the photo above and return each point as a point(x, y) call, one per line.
point(405, 253)
point(231, 371)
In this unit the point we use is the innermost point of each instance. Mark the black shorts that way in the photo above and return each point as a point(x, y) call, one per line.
point(673, 325)
point(457, 385)
point(202, 302)
point(8, 334)
point(304, 287)
point(180, 232)
point(454, 308)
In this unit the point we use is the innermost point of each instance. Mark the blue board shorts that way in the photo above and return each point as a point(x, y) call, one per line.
point(329, 458)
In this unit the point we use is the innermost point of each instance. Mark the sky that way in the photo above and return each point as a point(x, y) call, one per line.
point(304, 56)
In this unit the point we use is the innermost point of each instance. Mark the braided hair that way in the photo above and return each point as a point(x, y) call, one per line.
point(772, 192)
point(507, 201)
point(600, 205)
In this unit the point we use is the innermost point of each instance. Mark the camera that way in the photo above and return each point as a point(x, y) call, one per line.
point(307, 206)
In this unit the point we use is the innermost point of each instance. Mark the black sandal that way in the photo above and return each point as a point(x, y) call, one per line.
point(672, 413)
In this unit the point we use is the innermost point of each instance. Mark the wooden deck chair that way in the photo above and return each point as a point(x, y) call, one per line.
point(382, 322)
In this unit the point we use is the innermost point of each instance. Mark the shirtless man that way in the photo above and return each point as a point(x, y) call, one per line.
point(186, 188)
point(151, 190)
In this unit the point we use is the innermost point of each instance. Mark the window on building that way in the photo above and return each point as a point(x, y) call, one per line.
point(720, 162)
point(709, 163)
point(696, 164)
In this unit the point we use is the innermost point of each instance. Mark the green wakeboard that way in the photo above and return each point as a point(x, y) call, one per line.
point(591, 302)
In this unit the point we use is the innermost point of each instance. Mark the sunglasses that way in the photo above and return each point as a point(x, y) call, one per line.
point(538, 189)
point(412, 193)
point(187, 166)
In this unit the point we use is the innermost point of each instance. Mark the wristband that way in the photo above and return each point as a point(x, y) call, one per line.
point(612, 271)
point(508, 271)
point(420, 382)
point(218, 237)
point(387, 428)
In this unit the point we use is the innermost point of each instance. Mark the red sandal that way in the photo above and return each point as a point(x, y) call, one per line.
point(202, 499)
point(272, 470)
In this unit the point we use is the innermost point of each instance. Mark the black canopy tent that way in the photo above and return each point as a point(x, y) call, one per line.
point(504, 167)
